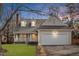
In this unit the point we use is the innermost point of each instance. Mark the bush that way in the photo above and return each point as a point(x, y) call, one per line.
point(10, 40)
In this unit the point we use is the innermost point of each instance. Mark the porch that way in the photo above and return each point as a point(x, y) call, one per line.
point(25, 38)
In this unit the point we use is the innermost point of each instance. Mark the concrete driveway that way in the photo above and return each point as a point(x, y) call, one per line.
point(66, 50)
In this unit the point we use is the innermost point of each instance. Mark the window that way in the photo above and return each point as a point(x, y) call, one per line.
point(33, 23)
point(23, 23)
point(22, 35)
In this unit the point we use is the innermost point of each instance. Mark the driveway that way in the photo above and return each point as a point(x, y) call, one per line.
point(66, 50)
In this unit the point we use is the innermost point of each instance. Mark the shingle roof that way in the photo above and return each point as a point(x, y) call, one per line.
point(53, 21)
point(53, 27)
point(24, 30)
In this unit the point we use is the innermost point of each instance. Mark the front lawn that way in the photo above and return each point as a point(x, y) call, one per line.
point(19, 50)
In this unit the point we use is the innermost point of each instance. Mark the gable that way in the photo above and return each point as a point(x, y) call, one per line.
point(53, 21)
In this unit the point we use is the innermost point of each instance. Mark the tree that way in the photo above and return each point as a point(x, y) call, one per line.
point(0, 18)
point(73, 10)
point(0, 10)
point(54, 11)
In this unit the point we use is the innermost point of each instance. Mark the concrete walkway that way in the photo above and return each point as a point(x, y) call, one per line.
point(60, 50)
point(41, 51)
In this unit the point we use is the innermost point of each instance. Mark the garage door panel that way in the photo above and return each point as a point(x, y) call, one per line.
point(50, 33)
point(46, 38)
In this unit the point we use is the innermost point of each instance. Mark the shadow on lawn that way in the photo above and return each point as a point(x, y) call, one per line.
point(2, 51)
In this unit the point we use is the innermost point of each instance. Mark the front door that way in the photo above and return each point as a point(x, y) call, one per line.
point(34, 37)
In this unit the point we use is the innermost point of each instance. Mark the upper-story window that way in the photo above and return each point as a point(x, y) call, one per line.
point(33, 23)
point(23, 23)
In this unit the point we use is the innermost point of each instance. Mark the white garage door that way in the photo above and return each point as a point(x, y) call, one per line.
point(48, 38)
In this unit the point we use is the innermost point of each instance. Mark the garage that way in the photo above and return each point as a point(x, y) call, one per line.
point(54, 37)
point(54, 32)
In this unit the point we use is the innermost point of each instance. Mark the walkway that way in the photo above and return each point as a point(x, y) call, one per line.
point(60, 50)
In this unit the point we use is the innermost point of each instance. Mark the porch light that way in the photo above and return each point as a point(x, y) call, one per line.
point(55, 34)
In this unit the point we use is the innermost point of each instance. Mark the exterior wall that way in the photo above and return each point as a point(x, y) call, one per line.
point(47, 38)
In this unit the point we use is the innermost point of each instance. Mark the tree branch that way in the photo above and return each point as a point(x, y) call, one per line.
point(7, 21)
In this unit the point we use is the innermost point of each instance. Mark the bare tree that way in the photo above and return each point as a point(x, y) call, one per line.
point(54, 11)
point(73, 10)
point(6, 22)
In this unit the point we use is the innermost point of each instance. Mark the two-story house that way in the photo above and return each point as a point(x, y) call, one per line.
point(26, 31)
point(51, 31)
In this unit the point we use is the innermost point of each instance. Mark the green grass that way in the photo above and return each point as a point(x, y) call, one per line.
point(19, 50)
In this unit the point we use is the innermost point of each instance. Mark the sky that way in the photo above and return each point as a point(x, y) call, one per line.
point(43, 7)
point(35, 6)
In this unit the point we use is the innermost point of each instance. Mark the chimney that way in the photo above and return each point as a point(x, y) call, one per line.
point(17, 19)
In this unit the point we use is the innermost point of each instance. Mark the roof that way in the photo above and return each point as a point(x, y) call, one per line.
point(28, 29)
point(53, 27)
point(33, 19)
point(24, 30)
point(54, 21)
